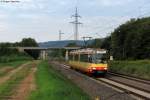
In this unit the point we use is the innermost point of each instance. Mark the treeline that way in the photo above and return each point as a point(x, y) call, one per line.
point(7, 53)
point(25, 42)
point(129, 41)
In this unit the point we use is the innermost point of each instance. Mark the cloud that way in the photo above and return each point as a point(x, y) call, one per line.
point(102, 25)
point(114, 2)
point(42, 19)
point(105, 3)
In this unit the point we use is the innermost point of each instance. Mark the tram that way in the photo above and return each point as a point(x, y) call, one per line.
point(89, 60)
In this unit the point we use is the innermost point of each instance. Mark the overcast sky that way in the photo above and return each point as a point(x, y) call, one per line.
point(42, 19)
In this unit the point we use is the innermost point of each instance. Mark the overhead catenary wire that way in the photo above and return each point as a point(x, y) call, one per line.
point(71, 36)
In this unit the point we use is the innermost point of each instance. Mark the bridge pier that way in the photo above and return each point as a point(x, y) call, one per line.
point(67, 56)
point(43, 55)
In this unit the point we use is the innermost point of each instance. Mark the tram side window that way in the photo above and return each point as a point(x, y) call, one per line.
point(70, 57)
point(84, 58)
point(90, 59)
point(76, 57)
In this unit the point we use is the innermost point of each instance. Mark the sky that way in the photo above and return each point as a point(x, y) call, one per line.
point(42, 19)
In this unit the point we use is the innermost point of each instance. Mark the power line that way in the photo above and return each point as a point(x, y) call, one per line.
point(69, 37)
point(131, 11)
point(86, 39)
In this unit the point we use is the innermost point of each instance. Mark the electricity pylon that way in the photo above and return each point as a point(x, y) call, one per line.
point(76, 24)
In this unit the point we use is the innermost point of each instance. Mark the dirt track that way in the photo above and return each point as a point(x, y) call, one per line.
point(11, 73)
point(25, 87)
point(6, 69)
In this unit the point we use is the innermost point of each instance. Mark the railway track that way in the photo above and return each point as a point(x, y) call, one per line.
point(130, 85)
point(145, 81)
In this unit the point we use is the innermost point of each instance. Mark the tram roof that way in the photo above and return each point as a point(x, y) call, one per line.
point(88, 51)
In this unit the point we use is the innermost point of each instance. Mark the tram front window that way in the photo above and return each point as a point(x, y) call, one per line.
point(99, 58)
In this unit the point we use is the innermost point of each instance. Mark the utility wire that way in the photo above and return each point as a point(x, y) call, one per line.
point(140, 15)
point(71, 36)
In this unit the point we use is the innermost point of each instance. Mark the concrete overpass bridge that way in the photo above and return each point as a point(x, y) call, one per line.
point(44, 51)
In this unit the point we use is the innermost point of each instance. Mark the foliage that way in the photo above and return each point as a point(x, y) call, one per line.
point(129, 41)
point(96, 43)
point(57, 54)
point(139, 68)
point(51, 85)
point(10, 54)
point(106, 43)
point(14, 57)
point(132, 40)
point(25, 42)
point(28, 42)
point(73, 44)
point(6, 50)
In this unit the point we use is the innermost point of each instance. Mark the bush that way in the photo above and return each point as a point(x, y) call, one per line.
point(139, 68)
point(14, 57)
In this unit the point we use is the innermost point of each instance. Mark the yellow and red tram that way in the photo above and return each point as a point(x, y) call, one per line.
point(90, 61)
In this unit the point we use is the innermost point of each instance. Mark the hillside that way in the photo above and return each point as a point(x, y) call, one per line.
point(60, 43)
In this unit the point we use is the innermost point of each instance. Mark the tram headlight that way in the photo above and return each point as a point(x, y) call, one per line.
point(93, 68)
point(105, 68)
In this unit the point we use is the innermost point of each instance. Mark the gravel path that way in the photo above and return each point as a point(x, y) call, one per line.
point(96, 89)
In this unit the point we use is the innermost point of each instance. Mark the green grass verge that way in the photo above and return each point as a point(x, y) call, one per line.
point(15, 57)
point(139, 68)
point(51, 85)
point(13, 63)
point(7, 87)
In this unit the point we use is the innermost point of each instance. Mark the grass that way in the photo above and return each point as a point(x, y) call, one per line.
point(51, 85)
point(13, 63)
point(7, 87)
point(139, 68)
point(14, 60)
point(14, 57)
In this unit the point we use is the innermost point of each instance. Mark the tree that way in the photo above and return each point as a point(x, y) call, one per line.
point(28, 42)
point(6, 50)
point(132, 40)
point(73, 44)
point(96, 43)
point(106, 43)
